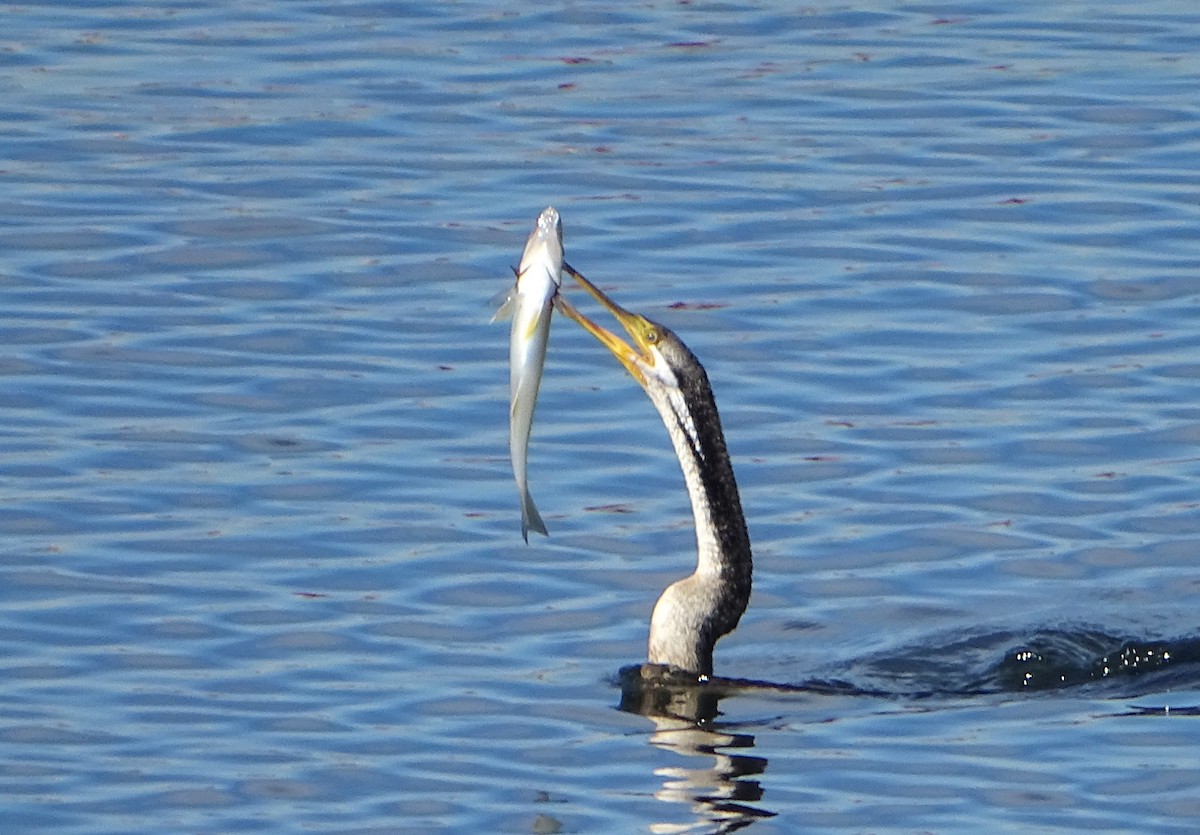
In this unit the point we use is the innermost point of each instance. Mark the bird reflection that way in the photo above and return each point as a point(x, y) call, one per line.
point(721, 794)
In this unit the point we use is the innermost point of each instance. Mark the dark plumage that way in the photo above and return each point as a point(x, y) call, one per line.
point(693, 613)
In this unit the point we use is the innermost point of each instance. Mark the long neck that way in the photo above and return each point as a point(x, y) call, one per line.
point(693, 613)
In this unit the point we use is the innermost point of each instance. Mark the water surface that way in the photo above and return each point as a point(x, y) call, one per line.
point(261, 565)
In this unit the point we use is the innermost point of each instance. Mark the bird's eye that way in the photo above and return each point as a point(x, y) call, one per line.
point(651, 337)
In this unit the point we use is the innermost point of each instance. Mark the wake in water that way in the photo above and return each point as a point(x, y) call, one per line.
point(1004, 662)
point(990, 663)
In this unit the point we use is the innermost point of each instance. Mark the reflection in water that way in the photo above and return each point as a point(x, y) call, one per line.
point(682, 709)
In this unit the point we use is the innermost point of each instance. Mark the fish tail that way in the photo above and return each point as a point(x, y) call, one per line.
point(531, 520)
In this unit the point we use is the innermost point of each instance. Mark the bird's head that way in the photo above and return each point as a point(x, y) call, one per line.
point(654, 355)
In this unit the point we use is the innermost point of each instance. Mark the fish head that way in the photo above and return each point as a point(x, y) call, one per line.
point(544, 247)
point(549, 225)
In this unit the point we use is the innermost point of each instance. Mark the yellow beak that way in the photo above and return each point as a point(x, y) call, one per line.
point(641, 331)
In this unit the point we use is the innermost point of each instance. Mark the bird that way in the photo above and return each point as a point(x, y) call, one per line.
point(693, 613)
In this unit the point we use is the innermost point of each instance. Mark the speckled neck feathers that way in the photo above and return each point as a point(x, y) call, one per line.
point(693, 613)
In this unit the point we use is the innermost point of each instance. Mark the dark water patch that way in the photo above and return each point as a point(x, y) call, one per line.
point(1145, 290)
point(1070, 658)
point(983, 665)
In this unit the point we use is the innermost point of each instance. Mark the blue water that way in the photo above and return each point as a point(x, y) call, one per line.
point(261, 565)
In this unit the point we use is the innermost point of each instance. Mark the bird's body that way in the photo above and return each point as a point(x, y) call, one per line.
point(692, 613)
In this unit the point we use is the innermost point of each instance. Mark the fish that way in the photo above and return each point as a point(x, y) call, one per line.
point(530, 303)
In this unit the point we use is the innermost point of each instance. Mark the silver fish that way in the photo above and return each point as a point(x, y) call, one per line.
point(530, 303)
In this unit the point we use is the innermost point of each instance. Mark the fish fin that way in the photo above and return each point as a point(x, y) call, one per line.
point(507, 301)
point(531, 520)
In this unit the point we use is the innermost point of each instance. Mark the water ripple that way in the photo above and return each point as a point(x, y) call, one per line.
point(261, 557)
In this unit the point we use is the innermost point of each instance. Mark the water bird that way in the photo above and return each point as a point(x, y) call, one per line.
point(530, 303)
point(693, 613)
